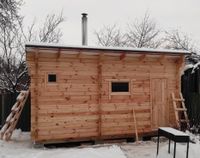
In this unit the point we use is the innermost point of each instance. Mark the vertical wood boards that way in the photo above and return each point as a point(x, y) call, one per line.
point(34, 108)
point(99, 93)
point(180, 64)
point(80, 105)
point(160, 116)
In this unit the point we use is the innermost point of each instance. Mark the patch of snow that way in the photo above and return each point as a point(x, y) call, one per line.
point(196, 66)
point(148, 150)
point(189, 66)
point(194, 137)
point(21, 147)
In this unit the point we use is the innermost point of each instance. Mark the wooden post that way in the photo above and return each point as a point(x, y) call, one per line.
point(161, 59)
point(58, 54)
point(35, 108)
point(3, 109)
point(142, 57)
point(122, 56)
point(135, 125)
point(99, 67)
point(180, 64)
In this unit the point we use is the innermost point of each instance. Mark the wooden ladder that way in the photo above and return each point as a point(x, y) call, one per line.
point(13, 117)
point(180, 111)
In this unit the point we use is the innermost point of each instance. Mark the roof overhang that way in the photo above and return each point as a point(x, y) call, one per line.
point(108, 49)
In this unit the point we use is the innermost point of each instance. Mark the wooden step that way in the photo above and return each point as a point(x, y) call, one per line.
point(15, 106)
point(181, 109)
point(177, 99)
point(10, 116)
point(15, 110)
point(182, 120)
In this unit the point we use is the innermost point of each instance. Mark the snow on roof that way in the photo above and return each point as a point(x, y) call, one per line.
point(129, 49)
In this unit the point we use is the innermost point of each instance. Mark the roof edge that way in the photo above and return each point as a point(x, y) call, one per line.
point(129, 49)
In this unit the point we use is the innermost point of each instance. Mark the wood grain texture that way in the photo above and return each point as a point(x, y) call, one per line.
point(80, 104)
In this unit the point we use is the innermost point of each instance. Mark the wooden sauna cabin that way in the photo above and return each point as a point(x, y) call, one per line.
point(90, 93)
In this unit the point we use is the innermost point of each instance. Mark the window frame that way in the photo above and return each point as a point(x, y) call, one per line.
point(47, 78)
point(119, 93)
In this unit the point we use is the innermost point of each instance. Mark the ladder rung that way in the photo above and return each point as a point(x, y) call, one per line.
point(10, 116)
point(15, 106)
point(176, 99)
point(16, 109)
point(181, 109)
point(178, 109)
point(13, 117)
point(12, 120)
point(182, 120)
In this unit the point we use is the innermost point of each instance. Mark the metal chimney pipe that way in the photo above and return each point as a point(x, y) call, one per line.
point(84, 29)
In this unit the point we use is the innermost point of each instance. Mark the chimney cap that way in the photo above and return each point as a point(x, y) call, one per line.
point(84, 14)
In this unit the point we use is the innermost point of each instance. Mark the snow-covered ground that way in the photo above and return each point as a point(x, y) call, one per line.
point(20, 147)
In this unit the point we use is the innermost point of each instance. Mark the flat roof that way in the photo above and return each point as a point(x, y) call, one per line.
point(115, 49)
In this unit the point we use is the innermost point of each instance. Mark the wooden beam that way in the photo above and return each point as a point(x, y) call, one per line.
point(59, 53)
point(110, 91)
point(181, 60)
point(36, 56)
point(162, 58)
point(142, 57)
point(99, 69)
point(35, 111)
point(122, 56)
point(79, 54)
point(135, 125)
point(179, 67)
point(101, 56)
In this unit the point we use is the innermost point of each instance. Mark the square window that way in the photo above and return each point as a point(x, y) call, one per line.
point(120, 87)
point(51, 78)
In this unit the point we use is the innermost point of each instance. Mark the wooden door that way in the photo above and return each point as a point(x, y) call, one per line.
point(159, 102)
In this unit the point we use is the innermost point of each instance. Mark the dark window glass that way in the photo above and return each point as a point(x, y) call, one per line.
point(52, 78)
point(120, 86)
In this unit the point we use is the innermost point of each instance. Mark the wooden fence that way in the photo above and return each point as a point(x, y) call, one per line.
point(191, 92)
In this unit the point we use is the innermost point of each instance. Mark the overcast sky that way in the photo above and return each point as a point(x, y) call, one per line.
point(169, 14)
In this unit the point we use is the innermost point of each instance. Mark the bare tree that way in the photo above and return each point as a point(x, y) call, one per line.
point(110, 36)
point(140, 33)
point(9, 12)
point(175, 39)
point(143, 33)
point(178, 40)
point(12, 63)
point(13, 70)
point(48, 32)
